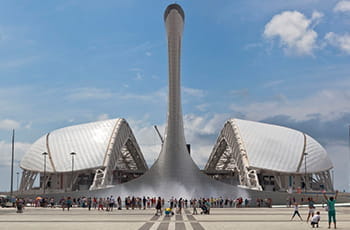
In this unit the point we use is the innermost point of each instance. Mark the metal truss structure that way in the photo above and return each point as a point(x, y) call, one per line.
point(124, 157)
point(229, 156)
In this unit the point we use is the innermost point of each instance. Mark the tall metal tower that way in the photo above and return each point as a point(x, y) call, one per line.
point(174, 173)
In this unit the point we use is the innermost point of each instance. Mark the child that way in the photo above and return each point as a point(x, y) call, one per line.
point(315, 219)
point(169, 212)
point(296, 211)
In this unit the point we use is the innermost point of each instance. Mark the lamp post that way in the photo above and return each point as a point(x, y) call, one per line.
point(333, 178)
point(17, 173)
point(305, 154)
point(72, 154)
point(44, 184)
point(12, 160)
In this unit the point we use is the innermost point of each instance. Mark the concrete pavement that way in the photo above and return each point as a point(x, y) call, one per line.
point(220, 218)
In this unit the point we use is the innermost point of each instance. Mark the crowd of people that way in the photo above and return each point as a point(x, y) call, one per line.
point(132, 202)
point(175, 205)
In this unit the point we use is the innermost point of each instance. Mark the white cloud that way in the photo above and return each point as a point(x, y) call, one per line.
point(342, 6)
point(339, 154)
point(295, 31)
point(161, 95)
point(8, 124)
point(136, 69)
point(103, 117)
point(202, 107)
point(240, 93)
point(316, 18)
point(327, 104)
point(272, 83)
point(253, 46)
point(6, 148)
point(193, 92)
point(154, 97)
point(139, 73)
point(19, 62)
point(200, 131)
point(147, 138)
point(342, 42)
point(196, 124)
point(89, 93)
point(139, 76)
point(28, 125)
point(144, 47)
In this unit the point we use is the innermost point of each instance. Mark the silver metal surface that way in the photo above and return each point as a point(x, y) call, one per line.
point(174, 173)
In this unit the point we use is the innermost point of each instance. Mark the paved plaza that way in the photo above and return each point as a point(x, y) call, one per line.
point(220, 218)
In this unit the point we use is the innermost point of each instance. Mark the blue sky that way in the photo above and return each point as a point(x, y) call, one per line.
point(69, 62)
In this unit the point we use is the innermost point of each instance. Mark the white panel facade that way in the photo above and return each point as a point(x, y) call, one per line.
point(316, 159)
point(89, 142)
point(271, 147)
point(33, 160)
point(278, 148)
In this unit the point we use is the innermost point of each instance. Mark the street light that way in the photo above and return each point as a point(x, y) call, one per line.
point(305, 154)
point(17, 179)
point(44, 184)
point(333, 178)
point(72, 154)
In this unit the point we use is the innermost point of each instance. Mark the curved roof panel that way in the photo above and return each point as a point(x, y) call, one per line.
point(278, 148)
point(89, 141)
point(316, 157)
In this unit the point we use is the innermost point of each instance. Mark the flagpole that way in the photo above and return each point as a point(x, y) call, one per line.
point(12, 160)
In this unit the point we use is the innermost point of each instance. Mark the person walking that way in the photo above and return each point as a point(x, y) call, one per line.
point(180, 206)
point(119, 201)
point(63, 203)
point(171, 202)
point(89, 203)
point(331, 208)
point(111, 203)
point(94, 203)
point(69, 203)
point(311, 205)
point(159, 206)
point(19, 205)
point(100, 204)
point(194, 205)
point(144, 202)
point(296, 211)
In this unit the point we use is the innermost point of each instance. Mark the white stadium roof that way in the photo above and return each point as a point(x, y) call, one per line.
point(91, 142)
point(282, 149)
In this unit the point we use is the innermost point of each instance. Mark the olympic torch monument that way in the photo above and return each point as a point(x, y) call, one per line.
point(174, 173)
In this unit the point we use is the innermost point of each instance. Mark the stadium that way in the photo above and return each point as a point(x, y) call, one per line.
point(83, 157)
point(248, 154)
point(268, 157)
